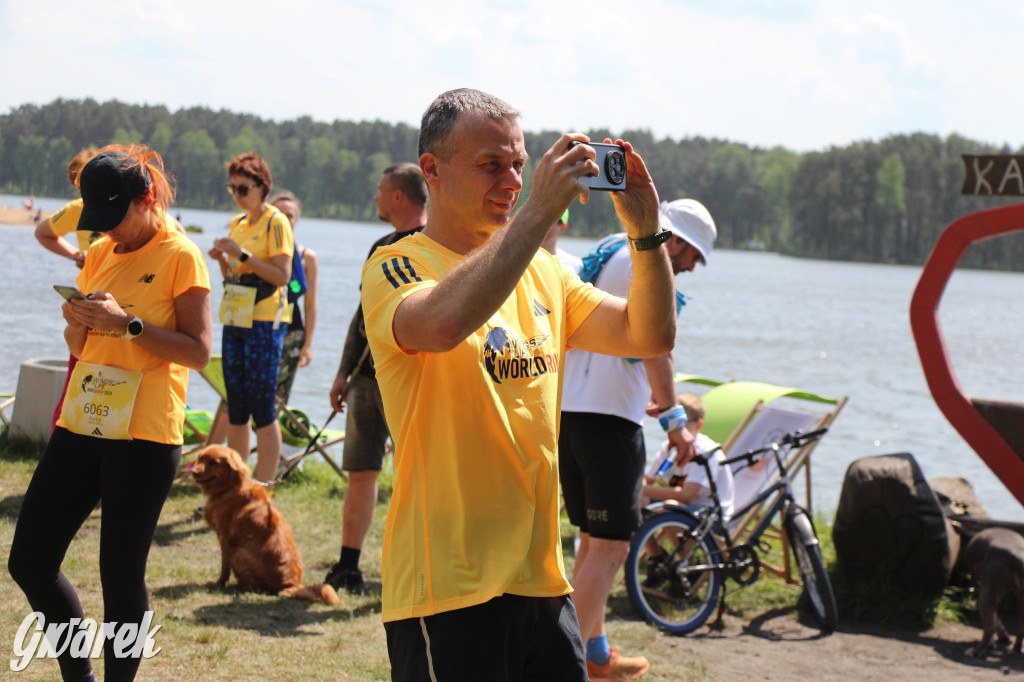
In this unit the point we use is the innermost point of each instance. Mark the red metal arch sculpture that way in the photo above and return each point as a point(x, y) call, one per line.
point(994, 430)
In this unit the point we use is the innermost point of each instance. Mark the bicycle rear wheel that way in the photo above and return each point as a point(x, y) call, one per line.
point(669, 574)
point(817, 586)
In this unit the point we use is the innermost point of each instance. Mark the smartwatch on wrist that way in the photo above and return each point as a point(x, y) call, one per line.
point(652, 242)
point(135, 328)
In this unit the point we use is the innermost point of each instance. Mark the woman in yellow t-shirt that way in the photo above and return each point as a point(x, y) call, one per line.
point(50, 231)
point(143, 322)
point(256, 261)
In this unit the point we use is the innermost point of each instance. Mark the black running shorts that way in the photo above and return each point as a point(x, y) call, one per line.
point(510, 638)
point(601, 466)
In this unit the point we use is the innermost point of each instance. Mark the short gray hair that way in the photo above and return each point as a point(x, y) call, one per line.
point(408, 179)
point(443, 113)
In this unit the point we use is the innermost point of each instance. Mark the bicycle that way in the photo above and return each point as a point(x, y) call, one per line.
point(680, 557)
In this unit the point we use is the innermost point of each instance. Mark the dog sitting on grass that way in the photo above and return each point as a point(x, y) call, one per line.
point(256, 542)
point(995, 558)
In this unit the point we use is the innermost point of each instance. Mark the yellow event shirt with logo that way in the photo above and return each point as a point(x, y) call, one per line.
point(474, 510)
point(269, 236)
point(66, 219)
point(145, 282)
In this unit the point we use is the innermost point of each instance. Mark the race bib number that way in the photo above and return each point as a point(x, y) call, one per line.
point(237, 306)
point(100, 401)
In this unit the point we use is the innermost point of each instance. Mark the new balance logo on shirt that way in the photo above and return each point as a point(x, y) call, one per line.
point(147, 278)
point(395, 270)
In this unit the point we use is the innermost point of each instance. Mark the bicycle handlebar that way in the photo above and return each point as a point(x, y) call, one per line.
point(795, 439)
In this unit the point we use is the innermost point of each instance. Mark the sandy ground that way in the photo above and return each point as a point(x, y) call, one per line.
point(774, 646)
point(18, 216)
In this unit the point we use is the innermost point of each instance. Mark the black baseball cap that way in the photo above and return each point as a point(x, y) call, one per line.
point(109, 183)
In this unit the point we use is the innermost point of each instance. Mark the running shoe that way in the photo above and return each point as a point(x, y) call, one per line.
point(348, 579)
point(618, 667)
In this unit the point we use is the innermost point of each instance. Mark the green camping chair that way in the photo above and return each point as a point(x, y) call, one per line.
point(296, 428)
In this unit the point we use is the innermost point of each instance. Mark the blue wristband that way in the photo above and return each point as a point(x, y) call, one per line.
point(673, 418)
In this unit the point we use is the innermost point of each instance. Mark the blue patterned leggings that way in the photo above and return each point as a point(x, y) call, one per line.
point(252, 359)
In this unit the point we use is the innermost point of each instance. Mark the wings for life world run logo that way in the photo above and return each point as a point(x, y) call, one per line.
point(507, 357)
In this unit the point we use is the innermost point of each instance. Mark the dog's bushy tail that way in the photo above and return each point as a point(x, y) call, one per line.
point(321, 592)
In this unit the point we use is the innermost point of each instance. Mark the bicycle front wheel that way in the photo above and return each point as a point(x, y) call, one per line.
point(817, 585)
point(670, 574)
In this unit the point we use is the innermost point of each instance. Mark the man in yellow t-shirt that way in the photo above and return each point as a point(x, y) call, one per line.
point(468, 323)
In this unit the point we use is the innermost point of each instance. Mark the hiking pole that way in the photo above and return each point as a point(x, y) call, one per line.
point(316, 438)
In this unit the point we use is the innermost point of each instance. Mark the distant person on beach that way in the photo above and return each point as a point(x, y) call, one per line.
point(401, 201)
point(550, 244)
point(601, 451)
point(467, 322)
point(145, 323)
point(29, 203)
point(256, 262)
point(297, 349)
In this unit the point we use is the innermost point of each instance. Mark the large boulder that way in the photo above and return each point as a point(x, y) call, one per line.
point(957, 497)
point(890, 529)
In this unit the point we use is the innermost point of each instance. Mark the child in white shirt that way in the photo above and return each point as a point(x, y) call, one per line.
point(688, 484)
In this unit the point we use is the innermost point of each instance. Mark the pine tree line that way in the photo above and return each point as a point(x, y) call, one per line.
point(883, 201)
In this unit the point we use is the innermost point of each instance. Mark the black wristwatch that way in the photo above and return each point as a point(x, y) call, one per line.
point(651, 242)
point(244, 256)
point(134, 329)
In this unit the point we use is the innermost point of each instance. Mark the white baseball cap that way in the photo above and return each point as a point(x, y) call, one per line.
point(689, 220)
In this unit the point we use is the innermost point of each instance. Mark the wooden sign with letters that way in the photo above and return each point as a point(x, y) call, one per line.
point(998, 175)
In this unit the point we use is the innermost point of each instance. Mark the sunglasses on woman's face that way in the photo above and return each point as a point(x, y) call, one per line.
point(240, 190)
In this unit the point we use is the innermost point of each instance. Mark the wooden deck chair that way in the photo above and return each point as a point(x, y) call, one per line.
point(738, 416)
point(6, 400)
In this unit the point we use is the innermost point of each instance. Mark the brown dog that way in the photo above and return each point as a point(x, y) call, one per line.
point(995, 557)
point(255, 540)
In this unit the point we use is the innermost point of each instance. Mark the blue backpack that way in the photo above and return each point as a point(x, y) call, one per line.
point(297, 286)
point(594, 262)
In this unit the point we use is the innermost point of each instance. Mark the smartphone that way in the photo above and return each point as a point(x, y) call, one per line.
point(68, 292)
point(611, 160)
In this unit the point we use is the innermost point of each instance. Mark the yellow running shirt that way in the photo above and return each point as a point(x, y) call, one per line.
point(66, 219)
point(145, 282)
point(269, 236)
point(474, 511)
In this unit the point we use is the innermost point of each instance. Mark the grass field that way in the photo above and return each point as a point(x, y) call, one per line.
point(209, 634)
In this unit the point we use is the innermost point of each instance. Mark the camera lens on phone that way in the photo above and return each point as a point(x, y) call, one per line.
point(615, 167)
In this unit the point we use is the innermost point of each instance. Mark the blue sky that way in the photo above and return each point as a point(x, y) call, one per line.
point(804, 75)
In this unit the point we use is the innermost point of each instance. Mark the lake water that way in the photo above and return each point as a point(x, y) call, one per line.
point(831, 328)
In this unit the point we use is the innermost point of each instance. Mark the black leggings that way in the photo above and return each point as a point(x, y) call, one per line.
point(132, 479)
